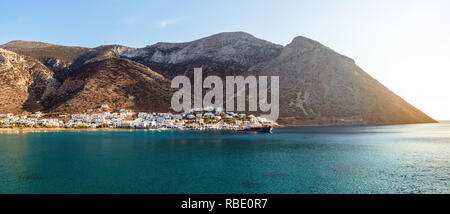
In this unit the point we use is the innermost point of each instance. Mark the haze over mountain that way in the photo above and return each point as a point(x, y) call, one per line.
point(317, 85)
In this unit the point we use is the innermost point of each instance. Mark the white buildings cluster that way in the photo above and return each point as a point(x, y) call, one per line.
point(204, 118)
point(34, 120)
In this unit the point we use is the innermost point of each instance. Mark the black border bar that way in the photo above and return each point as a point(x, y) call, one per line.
point(274, 202)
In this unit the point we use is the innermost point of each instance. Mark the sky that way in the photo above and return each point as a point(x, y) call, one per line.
point(404, 44)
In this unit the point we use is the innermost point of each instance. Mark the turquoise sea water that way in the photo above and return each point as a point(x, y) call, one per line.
point(384, 159)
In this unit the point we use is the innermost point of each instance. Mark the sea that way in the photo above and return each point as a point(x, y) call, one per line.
point(397, 159)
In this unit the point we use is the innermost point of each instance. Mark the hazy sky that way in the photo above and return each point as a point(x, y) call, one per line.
point(405, 44)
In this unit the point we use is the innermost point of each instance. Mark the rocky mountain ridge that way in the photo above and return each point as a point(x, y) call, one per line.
point(318, 86)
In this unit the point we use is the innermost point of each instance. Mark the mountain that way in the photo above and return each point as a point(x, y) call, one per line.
point(56, 57)
point(318, 86)
point(223, 54)
point(98, 76)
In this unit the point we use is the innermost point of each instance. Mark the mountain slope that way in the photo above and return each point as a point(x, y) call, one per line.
point(120, 83)
point(24, 83)
point(56, 57)
point(320, 86)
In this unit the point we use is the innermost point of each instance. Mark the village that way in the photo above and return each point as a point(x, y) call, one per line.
point(208, 118)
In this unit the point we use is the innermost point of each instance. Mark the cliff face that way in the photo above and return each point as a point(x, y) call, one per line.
point(317, 85)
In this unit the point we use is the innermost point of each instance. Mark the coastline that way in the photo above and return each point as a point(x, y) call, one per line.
point(28, 130)
point(61, 129)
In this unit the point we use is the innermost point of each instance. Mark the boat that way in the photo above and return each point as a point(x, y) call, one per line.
point(263, 129)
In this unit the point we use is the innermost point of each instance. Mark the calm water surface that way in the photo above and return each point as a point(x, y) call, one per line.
point(384, 159)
